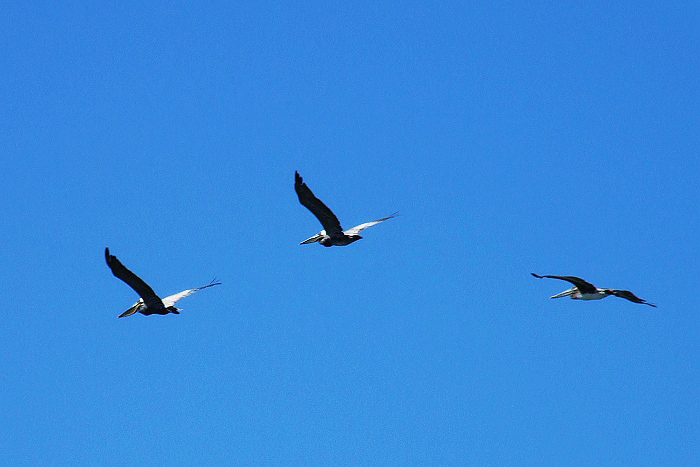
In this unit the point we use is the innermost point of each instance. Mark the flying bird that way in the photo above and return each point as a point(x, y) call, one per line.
point(583, 290)
point(332, 233)
point(149, 303)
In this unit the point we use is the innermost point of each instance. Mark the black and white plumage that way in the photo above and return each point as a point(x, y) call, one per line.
point(583, 290)
point(149, 303)
point(332, 233)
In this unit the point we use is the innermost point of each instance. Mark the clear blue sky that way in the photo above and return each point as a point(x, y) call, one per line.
point(554, 137)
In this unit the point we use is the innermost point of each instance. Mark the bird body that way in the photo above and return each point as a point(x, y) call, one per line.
point(149, 303)
point(324, 239)
point(332, 233)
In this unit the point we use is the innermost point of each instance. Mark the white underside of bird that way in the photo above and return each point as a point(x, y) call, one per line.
point(575, 294)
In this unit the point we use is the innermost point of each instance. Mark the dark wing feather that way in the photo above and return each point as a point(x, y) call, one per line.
point(626, 294)
point(150, 299)
point(330, 223)
point(581, 285)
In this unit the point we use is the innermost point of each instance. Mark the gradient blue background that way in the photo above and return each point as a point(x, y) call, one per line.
point(554, 137)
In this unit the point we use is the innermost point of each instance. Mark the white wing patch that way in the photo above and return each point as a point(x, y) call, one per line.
point(170, 301)
point(359, 228)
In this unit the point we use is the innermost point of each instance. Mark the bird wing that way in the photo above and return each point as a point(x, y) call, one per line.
point(626, 294)
point(581, 285)
point(359, 228)
point(132, 280)
point(170, 300)
point(328, 220)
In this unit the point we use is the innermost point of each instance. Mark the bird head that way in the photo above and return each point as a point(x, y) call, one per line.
point(565, 293)
point(316, 238)
point(133, 309)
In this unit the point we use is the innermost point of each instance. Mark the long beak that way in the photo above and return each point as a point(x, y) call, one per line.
point(313, 239)
point(565, 293)
point(131, 310)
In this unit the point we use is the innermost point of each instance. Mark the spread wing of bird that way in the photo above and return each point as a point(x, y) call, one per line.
point(170, 300)
point(328, 220)
point(581, 285)
point(132, 280)
point(359, 228)
point(626, 294)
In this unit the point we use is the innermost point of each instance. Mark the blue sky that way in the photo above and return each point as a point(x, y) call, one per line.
point(548, 137)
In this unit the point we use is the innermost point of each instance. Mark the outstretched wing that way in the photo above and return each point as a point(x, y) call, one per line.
point(330, 223)
point(132, 280)
point(627, 295)
point(170, 300)
point(359, 228)
point(581, 285)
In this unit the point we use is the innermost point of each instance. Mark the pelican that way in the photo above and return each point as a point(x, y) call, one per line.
point(332, 233)
point(149, 303)
point(583, 290)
